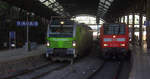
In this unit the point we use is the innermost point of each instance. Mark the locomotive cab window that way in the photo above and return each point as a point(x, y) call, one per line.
point(61, 31)
point(114, 29)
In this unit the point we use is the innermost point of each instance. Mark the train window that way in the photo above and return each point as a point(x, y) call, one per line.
point(61, 32)
point(114, 29)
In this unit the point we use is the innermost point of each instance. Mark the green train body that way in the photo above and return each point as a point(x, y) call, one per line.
point(68, 40)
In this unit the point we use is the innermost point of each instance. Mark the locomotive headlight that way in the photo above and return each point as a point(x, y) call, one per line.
point(62, 22)
point(122, 45)
point(105, 44)
point(12, 45)
point(73, 43)
point(48, 44)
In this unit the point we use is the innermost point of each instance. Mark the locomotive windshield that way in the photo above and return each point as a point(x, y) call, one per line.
point(60, 31)
point(114, 29)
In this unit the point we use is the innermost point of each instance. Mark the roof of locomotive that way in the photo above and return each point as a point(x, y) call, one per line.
point(114, 24)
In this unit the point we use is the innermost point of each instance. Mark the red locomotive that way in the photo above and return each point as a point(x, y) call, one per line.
point(114, 40)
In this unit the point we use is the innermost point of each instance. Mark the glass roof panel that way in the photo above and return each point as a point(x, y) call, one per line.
point(61, 9)
point(55, 9)
point(46, 3)
point(50, 6)
point(106, 6)
point(102, 1)
point(56, 4)
point(103, 7)
point(108, 3)
point(42, 0)
point(111, 0)
point(52, 1)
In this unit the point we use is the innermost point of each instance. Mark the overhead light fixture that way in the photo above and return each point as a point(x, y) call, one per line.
point(62, 22)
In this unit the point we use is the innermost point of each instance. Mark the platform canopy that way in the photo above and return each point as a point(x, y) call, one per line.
point(106, 9)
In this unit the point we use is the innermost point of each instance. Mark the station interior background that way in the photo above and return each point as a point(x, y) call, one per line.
point(91, 21)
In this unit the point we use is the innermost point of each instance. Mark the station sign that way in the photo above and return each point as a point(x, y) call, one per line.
point(12, 35)
point(29, 23)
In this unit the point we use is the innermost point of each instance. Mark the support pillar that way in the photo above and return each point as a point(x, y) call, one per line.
point(123, 19)
point(98, 23)
point(148, 27)
point(140, 29)
point(128, 25)
point(133, 29)
point(128, 20)
point(120, 19)
point(117, 20)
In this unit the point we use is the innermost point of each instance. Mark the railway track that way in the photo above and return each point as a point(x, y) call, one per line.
point(38, 72)
point(108, 70)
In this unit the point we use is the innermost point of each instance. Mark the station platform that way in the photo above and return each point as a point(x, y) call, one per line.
point(16, 54)
point(17, 60)
point(140, 63)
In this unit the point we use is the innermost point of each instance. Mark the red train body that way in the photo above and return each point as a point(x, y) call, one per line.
point(114, 39)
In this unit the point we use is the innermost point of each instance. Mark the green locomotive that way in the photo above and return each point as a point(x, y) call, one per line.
point(67, 40)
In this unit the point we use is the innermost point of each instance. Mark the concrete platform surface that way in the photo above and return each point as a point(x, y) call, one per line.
point(15, 54)
point(141, 63)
